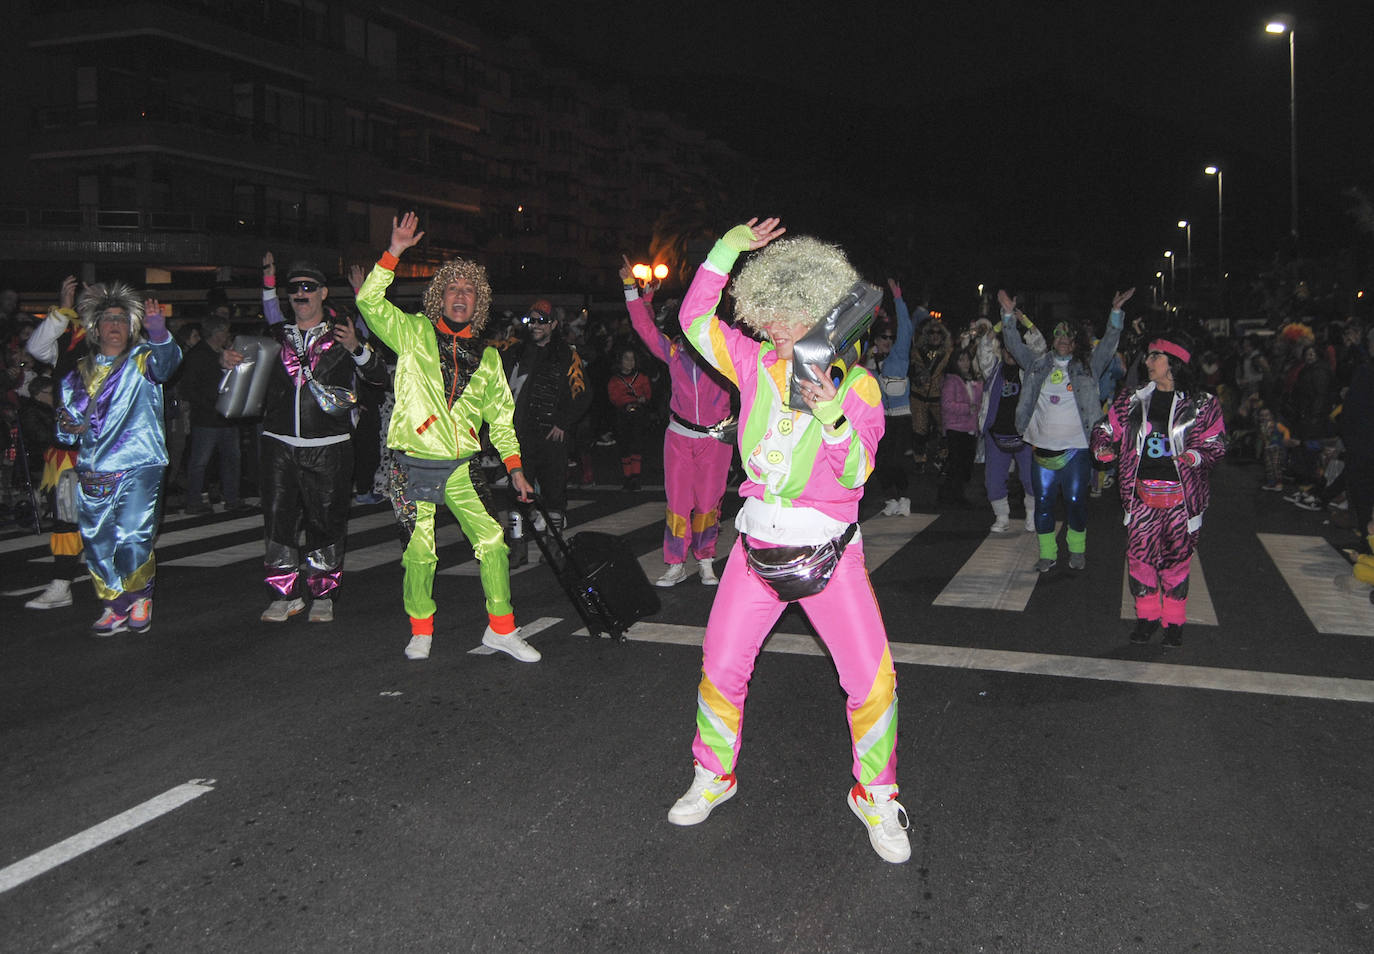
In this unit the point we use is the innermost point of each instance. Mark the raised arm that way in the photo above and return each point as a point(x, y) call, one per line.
point(642, 315)
point(383, 318)
point(1106, 346)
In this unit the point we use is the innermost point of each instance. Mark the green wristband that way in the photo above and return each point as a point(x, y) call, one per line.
point(828, 412)
point(722, 257)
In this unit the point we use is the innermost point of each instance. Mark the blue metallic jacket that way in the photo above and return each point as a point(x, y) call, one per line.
point(125, 424)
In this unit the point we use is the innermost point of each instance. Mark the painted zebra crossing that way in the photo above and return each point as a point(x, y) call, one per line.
point(998, 575)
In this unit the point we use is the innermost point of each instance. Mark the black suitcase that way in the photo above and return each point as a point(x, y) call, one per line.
point(600, 575)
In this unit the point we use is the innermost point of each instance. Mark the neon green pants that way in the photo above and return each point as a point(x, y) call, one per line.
point(421, 559)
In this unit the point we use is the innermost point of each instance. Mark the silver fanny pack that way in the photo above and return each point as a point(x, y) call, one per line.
point(794, 573)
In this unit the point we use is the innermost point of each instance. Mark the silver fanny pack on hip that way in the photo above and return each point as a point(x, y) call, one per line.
point(794, 573)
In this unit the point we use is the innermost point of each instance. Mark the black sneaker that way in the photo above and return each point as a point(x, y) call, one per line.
point(1144, 629)
point(1173, 636)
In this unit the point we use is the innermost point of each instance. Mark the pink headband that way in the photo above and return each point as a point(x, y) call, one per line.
point(1168, 347)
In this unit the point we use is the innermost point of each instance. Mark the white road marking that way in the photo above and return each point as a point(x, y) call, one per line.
point(621, 522)
point(1043, 664)
point(1000, 575)
point(40, 588)
point(1200, 608)
point(253, 549)
point(526, 631)
point(64, 851)
point(1310, 567)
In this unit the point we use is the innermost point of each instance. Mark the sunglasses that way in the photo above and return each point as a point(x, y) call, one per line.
point(537, 319)
point(1156, 354)
point(306, 288)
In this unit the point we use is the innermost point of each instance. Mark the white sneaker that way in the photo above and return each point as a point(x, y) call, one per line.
point(890, 507)
point(708, 573)
point(677, 572)
point(279, 611)
point(510, 643)
point(903, 507)
point(885, 819)
point(708, 790)
point(322, 611)
point(1030, 523)
point(1001, 524)
point(57, 595)
point(418, 647)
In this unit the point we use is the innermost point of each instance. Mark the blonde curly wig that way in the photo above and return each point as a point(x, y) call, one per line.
point(797, 280)
point(452, 271)
point(98, 299)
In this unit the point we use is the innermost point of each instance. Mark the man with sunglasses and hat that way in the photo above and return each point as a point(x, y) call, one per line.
point(549, 384)
point(306, 454)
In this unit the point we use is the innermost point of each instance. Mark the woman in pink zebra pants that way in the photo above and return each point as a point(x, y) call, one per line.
point(1168, 435)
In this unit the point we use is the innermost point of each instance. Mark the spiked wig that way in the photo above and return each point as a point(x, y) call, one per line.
point(98, 299)
point(798, 280)
point(452, 271)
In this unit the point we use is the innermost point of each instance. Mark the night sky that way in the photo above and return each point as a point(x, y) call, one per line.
point(1080, 126)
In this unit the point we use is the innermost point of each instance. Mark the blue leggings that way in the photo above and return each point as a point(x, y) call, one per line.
point(1073, 480)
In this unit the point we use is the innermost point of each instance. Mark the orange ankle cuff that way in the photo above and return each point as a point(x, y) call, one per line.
point(422, 627)
point(502, 625)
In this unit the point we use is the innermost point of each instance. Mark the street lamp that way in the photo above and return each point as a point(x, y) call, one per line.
point(1278, 27)
point(1188, 229)
point(1221, 269)
point(1173, 275)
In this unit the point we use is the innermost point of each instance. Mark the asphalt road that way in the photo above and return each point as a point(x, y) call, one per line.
point(1068, 792)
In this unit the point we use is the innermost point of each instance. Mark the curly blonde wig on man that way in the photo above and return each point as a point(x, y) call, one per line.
point(98, 299)
point(452, 271)
point(796, 280)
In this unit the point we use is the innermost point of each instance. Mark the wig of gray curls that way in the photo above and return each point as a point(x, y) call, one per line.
point(797, 280)
point(98, 299)
point(433, 303)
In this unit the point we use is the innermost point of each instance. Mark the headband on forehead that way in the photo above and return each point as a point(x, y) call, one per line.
point(1168, 347)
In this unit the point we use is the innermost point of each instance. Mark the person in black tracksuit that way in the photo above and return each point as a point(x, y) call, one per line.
point(549, 383)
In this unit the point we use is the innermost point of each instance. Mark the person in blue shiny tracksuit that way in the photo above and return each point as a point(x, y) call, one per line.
point(111, 409)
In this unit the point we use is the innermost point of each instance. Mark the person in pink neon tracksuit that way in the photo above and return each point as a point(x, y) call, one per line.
point(805, 472)
point(696, 461)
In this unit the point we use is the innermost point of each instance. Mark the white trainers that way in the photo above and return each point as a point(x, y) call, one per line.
point(322, 611)
point(418, 647)
point(885, 818)
point(890, 507)
point(708, 790)
point(677, 572)
point(708, 573)
point(57, 595)
point(903, 507)
point(1001, 524)
point(510, 643)
point(279, 611)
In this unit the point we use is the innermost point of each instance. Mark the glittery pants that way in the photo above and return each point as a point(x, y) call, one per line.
point(1072, 480)
point(1159, 553)
point(310, 489)
point(845, 615)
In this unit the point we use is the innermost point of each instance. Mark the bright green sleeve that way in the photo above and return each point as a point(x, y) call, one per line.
point(389, 323)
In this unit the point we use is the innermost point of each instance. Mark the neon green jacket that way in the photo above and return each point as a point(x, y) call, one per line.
point(423, 423)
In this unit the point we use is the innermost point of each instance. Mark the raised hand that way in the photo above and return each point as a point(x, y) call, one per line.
point(627, 271)
point(1006, 301)
point(896, 288)
point(66, 298)
point(154, 321)
point(1121, 298)
point(269, 268)
point(346, 335)
point(405, 233)
point(355, 277)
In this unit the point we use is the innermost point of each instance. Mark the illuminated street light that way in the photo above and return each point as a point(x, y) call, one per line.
point(1221, 270)
point(1173, 273)
point(660, 271)
point(1278, 27)
point(1188, 229)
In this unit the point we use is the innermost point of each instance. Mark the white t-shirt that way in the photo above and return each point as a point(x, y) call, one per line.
point(1055, 425)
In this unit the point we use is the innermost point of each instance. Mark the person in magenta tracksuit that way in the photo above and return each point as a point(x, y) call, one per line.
point(696, 462)
point(804, 476)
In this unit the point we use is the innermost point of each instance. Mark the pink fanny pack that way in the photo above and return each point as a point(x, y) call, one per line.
point(1159, 494)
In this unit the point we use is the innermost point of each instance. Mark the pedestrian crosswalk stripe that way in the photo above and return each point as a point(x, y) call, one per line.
point(884, 536)
point(1044, 664)
point(252, 549)
point(1200, 608)
point(999, 576)
point(1310, 567)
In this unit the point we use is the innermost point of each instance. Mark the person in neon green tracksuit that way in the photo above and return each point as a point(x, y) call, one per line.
point(448, 384)
point(805, 472)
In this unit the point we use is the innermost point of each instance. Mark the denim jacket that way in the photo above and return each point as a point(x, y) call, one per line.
point(1084, 380)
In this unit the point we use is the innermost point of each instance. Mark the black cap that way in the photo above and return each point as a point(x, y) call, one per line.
point(306, 270)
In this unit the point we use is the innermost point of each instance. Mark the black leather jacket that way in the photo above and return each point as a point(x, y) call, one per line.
point(290, 408)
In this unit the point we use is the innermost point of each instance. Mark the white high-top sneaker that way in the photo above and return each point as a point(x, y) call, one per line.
point(1030, 513)
point(903, 507)
point(1001, 510)
point(889, 508)
point(57, 595)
